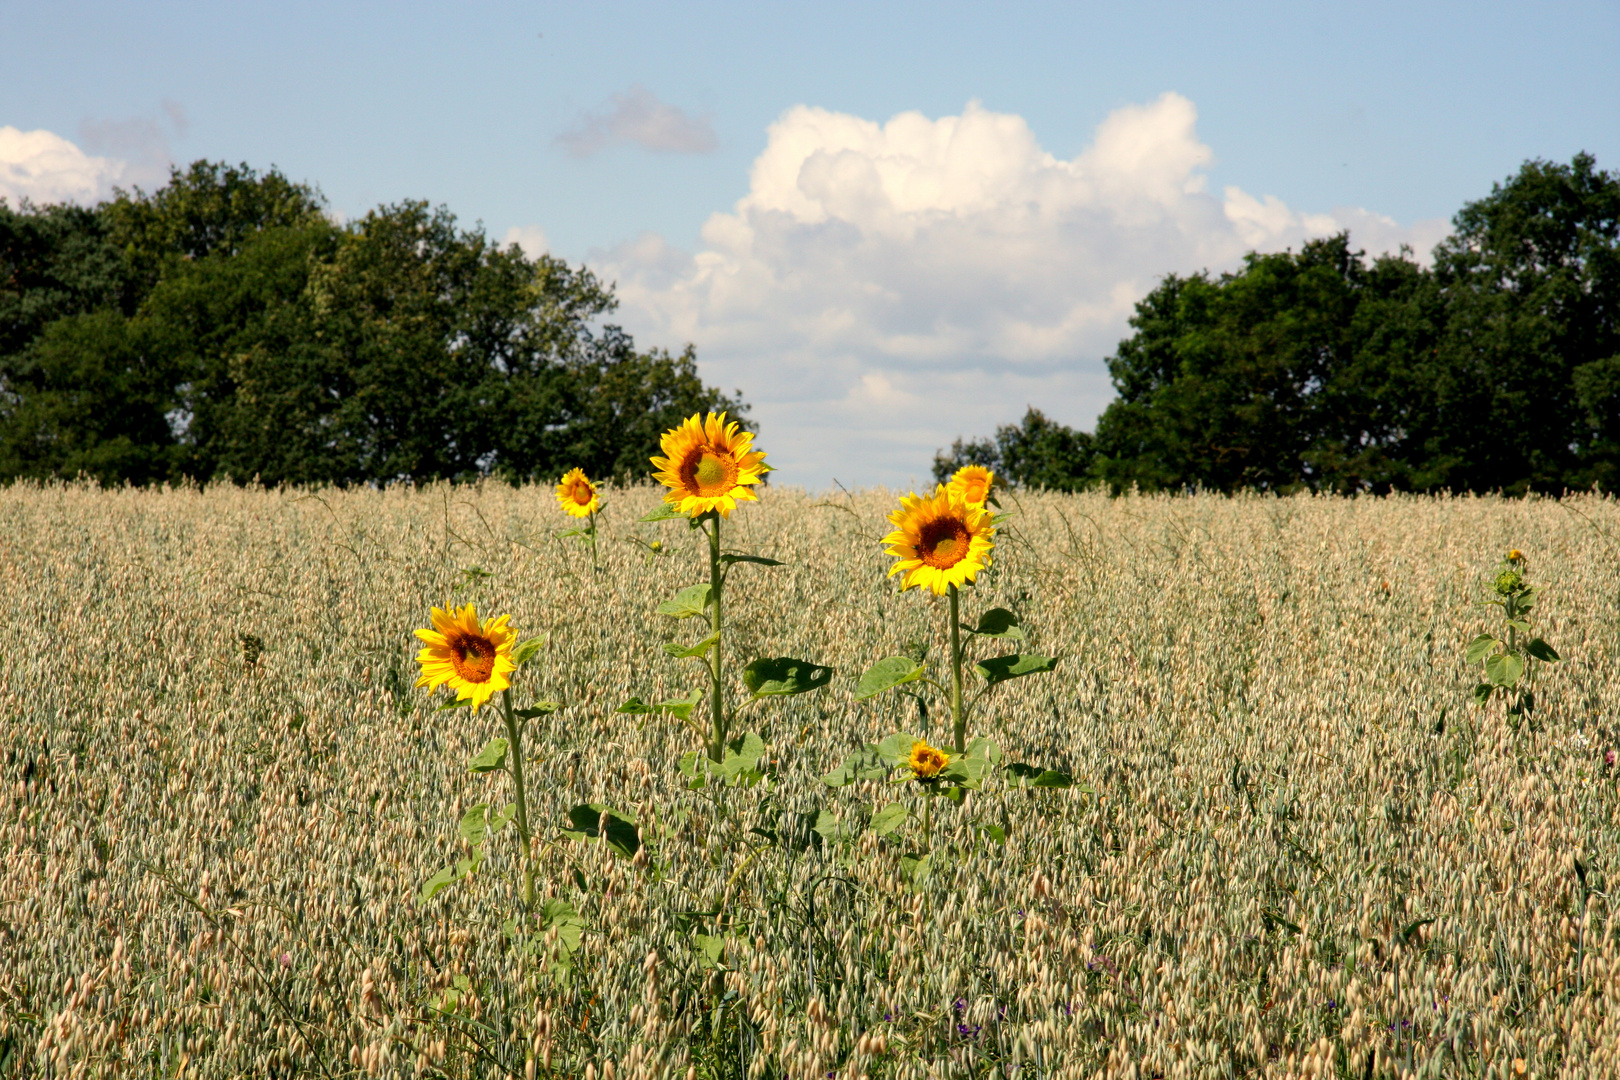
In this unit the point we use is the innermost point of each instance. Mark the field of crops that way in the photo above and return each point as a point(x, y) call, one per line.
point(1292, 847)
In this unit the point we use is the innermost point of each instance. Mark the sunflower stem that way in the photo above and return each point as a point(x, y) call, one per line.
point(514, 736)
point(591, 532)
point(958, 718)
point(717, 701)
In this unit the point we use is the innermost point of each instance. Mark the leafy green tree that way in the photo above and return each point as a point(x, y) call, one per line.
point(1530, 289)
point(1037, 453)
point(88, 381)
point(1497, 370)
point(1257, 379)
point(236, 332)
point(87, 397)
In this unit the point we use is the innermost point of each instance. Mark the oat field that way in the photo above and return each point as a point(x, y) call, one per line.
point(1293, 848)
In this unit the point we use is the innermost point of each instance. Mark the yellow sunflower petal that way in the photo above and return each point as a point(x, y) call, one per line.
point(939, 540)
point(473, 658)
point(708, 465)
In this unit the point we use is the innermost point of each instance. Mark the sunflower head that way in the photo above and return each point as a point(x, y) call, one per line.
point(1509, 583)
point(473, 658)
point(972, 483)
point(577, 495)
point(939, 540)
point(708, 464)
point(926, 762)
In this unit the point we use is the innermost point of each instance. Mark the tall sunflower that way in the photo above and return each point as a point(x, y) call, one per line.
point(474, 658)
point(708, 465)
point(939, 540)
point(972, 484)
point(577, 495)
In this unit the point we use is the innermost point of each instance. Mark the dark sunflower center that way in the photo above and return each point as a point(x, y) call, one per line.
point(943, 543)
point(473, 658)
point(708, 473)
point(583, 494)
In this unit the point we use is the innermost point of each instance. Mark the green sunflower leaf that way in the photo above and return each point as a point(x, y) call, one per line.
point(681, 652)
point(998, 669)
point(542, 708)
point(690, 601)
point(1542, 651)
point(681, 708)
point(439, 882)
point(896, 748)
point(782, 675)
point(886, 675)
point(757, 560)
point(474, 823)
point(998, 623)
point(525, 652)
point(888, 819)
point(1480, 648)
point(587, 824)
point(665, 512)
point(1504, 669)
point(490, 758)
point(864, 764)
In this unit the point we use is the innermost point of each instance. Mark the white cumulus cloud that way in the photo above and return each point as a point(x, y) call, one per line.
point(46, 168)
point(885, 287)
point(639, 117)
point(531, 238)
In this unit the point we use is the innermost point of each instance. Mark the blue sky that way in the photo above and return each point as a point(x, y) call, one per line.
point(866, 283)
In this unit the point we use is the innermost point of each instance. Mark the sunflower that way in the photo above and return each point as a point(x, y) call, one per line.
point(926, 761)
point(577, 495)
point(1515, 556)
point(707, 465)
point(971, 483)
point(939, 540)
point(474, 658)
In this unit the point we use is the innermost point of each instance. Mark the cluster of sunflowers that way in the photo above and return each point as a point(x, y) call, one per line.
point(940, 542)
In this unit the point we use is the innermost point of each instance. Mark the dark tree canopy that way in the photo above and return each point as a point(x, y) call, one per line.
point(1497, 369)
point(223, 327)
point(1037, 453)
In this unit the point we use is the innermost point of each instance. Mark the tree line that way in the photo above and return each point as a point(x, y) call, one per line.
point(225, 327)
point(1496, 368)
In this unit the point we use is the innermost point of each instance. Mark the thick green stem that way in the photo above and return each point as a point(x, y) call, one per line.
point(717, 693)
point(958, 718)
point(591, 532)
point(514, 758)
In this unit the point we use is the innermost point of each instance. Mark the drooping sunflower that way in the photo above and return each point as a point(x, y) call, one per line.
point(926, 762)
point(577, 495)
point(473, 658)
point(939, 540)
point(708, 464)
point(972, 483)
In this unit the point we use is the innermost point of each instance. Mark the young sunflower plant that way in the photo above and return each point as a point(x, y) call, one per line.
point(477, 660)
point(709, 465)
point(579, 498)
point(942, 542)
point(1509, 660)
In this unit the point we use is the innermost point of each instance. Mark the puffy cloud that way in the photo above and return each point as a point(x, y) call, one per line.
point(883, 288)
point(639, 117)
point(531, 238)
point(47, 168)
